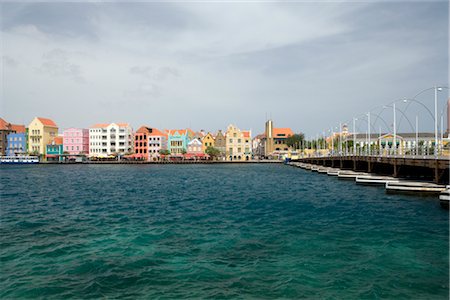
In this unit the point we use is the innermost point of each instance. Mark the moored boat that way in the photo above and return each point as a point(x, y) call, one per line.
point(19, 160)
point(425, 188)
point(374, 180)
point(444, 197)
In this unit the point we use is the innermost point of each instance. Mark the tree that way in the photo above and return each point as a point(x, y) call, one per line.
point(212, 152)
point(164, 152)
point(295, 139)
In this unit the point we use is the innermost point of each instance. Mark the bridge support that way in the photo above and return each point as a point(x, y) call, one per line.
point(395, 173)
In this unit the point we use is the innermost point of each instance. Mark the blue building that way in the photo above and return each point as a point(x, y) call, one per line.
point(178, 141)
point(16, 144)
point(54, 151)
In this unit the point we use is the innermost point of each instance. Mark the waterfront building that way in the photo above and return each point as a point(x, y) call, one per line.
point(258, 146)
point(109, 140)
point(207, 141)
point(220, 143)
point(157, 141)
point(41, 132)
point(6, 129)
point(275, 140)
point(55, 150)
point(17, 144)
point(238, 144)
point(195, 149)
point(178, 141)
point(76, 141)
point(199, 135)
point(141, 147)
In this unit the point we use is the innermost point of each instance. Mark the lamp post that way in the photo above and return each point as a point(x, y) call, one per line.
point(417, 135)
point(395, 131)
point(368, 129)
point(354, 136)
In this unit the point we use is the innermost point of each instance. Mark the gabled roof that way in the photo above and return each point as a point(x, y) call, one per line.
point(144, 129)
point(47, 122)
point(157, 132)
point(195, 142)
point(180, 131)
point(282, 132)
point(246, 133)
point(208, 135)
point(13, 127)
point(18, 128)
point(4, 125)
point(58, 140)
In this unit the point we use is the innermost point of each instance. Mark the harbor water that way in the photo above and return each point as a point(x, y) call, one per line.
point(214, 231)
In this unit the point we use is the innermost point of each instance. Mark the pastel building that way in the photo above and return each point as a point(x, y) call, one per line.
point(141, 142)
point(220, 143)
point(157, 141)
point(76, 141)
point(55, 150)
point(195, 147)
point(195, 150)
point(6, 129)
point(108, 140)
point(17, 144)
point(41, 132)
point(238, 144)
point(178, 141)
point(207, 141)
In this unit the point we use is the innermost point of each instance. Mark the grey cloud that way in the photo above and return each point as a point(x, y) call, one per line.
point(9, 61)
point(155, 73)
point(68, 20)
point(57, 63)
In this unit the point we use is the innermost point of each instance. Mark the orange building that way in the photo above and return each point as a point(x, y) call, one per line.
point(141, 142)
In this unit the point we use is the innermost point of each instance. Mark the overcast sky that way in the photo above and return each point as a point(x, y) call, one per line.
point(308, 66)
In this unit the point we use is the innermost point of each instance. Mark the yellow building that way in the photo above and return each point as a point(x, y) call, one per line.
point(238, 144)
point(41, 132)
point(207, 141)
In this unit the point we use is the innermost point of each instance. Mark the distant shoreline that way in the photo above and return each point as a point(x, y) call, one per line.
point(161, 162)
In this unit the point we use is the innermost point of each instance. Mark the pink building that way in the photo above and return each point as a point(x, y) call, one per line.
point(76, 141)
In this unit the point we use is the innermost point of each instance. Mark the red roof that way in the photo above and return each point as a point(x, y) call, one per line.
point(246, 133)
point(18, 128)
point(3, 124)
point(13, 127)
point(47, 122)
point(180, 131)
point(100, 125)
point(282, 132)
point(58, 140)
point(144, 129)
point(157, 132)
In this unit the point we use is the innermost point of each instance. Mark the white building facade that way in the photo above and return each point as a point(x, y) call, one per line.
point(110, 139)
point(157, 141)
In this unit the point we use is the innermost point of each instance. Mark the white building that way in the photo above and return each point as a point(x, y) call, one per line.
point(110, 139)
point(157, 141)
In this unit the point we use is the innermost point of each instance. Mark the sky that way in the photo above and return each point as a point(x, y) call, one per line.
point(204, 65)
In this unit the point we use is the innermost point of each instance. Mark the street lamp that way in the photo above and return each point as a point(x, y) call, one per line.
point(436, 89)
point(368, 129)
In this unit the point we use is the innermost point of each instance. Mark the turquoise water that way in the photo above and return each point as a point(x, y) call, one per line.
point(214, 231)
